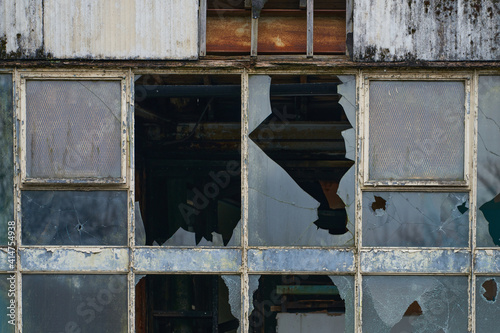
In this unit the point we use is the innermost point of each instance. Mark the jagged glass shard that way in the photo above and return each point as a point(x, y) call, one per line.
point(140, 231)
point(74, 217)
point(282, 213)
point(348, 100)
point(487, 304)
point(73, 129)
point(345, 285)
point(350, 143)
point(488, 162)
point(6, 157)
point(233, 284)
point(10, 316)
point(347, 193)
point(259, 103)
point(75, 303)
point(415, 219)
point(424, 304)
point(416, 130)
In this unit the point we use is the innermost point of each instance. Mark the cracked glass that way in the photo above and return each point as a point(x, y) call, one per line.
point(73, 129)
point(415, 219)
point(488, 162)
point(74, 217)
point(189, 303)
point(424, 304)
point(302, 304)
point(6, 157)
point(487, 304)
point(75, 303)
point(7, 324)
point(300, 169)
point(416, 130)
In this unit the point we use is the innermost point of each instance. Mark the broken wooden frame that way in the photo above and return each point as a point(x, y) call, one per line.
point(478, 262)
point(284, 28)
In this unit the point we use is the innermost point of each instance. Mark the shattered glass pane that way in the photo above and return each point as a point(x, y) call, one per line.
point(487, 304)
point(7, 324)
point(190, 303)
point(415, 219)
point(6, 157)
point(75, 303)
point(73, 129)
point(300, 189)
point(188, 172)
point(424, 304)
point(74, 217)
point(416, 130)
point(302, 304)
point(488, 162)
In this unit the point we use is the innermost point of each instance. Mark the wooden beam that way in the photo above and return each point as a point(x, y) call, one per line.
point(310, 28)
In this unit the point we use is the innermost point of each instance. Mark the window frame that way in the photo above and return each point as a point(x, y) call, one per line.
point(364, 166)
point(68, 76)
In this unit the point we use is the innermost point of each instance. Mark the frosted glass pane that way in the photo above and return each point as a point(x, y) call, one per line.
point(75, 303)
point(6, 156)
point(73, 129)
point(415, 219)
point(416, 130)
point(424, 304)
point(488, 162)
point(487, 304)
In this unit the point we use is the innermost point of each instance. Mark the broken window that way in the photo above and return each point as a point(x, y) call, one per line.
point(274, 27)
point(300, 190)
point(6, 157)
point(75, 303)
point(487, 305)
point(188, 303)
point(416, 131)
point(188, 174)
point(425, 304)
point(301, 303)
point(488, 161)
point(415, 219)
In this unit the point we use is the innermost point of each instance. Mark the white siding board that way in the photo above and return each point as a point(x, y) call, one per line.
point(126, 29)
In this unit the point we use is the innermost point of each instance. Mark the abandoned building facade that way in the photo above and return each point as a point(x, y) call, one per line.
point(199, 166)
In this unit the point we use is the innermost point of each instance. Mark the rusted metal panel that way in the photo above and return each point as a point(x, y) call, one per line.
point(277, 33)
point(75, 260)
point(21, 28)
point(157, 259)
point(386, 30)
point(389, 261)
point(130, 29)
point(301, 260)
point(487, 262)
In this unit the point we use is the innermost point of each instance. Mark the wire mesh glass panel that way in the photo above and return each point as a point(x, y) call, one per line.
point(415, 219)
point(75, 303)
point(416, 130)
point(6, 157)
point(74, 217)
point(73, 129)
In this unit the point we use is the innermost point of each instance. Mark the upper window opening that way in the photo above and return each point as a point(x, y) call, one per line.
point(280, 27)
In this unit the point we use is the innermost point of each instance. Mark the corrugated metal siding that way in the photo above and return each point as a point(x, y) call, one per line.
point(111, 29)
point(121, 29)
point(389, 30)
point(20, 28)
